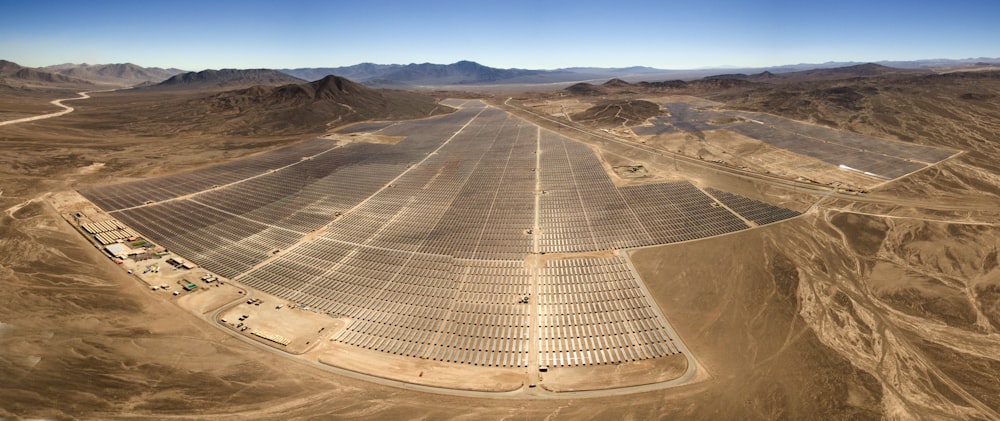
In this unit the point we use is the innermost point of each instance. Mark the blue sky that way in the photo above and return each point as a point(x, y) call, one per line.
point(195, 35)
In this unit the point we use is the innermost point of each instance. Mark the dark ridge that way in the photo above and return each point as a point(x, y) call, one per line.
point(584, 88)
point(228, 78)
point(666, 84)
point(616, 83)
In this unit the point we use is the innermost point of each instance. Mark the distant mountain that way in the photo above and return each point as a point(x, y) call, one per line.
point(123, 74)
point(860, 70)
point(472, 73)
point(363, 72)
point(633, 69)
point(939, 63)
point(226, 79)
point(459, 73)
point(13, 74)
point(304, 107)
point(835, 73)
point(728, 81)
point(617, 86)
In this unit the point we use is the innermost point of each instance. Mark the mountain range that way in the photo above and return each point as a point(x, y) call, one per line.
point(124, 74)
point(461, 73)
point(853, 71)
point(472, 73)
point(15, 75)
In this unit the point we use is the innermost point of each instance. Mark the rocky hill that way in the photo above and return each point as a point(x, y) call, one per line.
point(624, 113)
point(226, 79)
point(305, 107)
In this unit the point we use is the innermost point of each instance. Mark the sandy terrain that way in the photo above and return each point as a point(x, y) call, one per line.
point(637, 373)
point(421, 372)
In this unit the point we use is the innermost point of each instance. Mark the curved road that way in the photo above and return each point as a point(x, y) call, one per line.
point(58, 102)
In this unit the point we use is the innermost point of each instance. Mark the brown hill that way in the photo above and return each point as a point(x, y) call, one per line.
point(718, 84)
point(616, 83)
point(299, 108)
point(666, 84)
point(226, 79)
point(9, 67)
point(618, 113)
point(584, 88)
point(237, 118)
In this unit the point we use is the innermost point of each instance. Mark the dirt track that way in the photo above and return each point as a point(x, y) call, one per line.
point(58, 102)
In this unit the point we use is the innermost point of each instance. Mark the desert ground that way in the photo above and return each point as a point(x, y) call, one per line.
point(881, 301)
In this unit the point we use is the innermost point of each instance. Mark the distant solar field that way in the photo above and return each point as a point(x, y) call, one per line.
point(877, 157)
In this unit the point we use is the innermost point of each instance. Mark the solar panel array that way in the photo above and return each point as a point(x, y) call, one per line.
point(883, 158)
point(422, 245)
point(124, 195)
point(581, 209)
point(593, 311)
point(759, 212)
point(679, 211)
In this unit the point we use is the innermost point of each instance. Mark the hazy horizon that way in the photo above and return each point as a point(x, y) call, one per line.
point(727, 34)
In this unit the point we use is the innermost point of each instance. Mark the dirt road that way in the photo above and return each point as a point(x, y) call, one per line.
point(59, 102)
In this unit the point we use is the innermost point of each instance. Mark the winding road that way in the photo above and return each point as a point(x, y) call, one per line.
point(58, 102)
